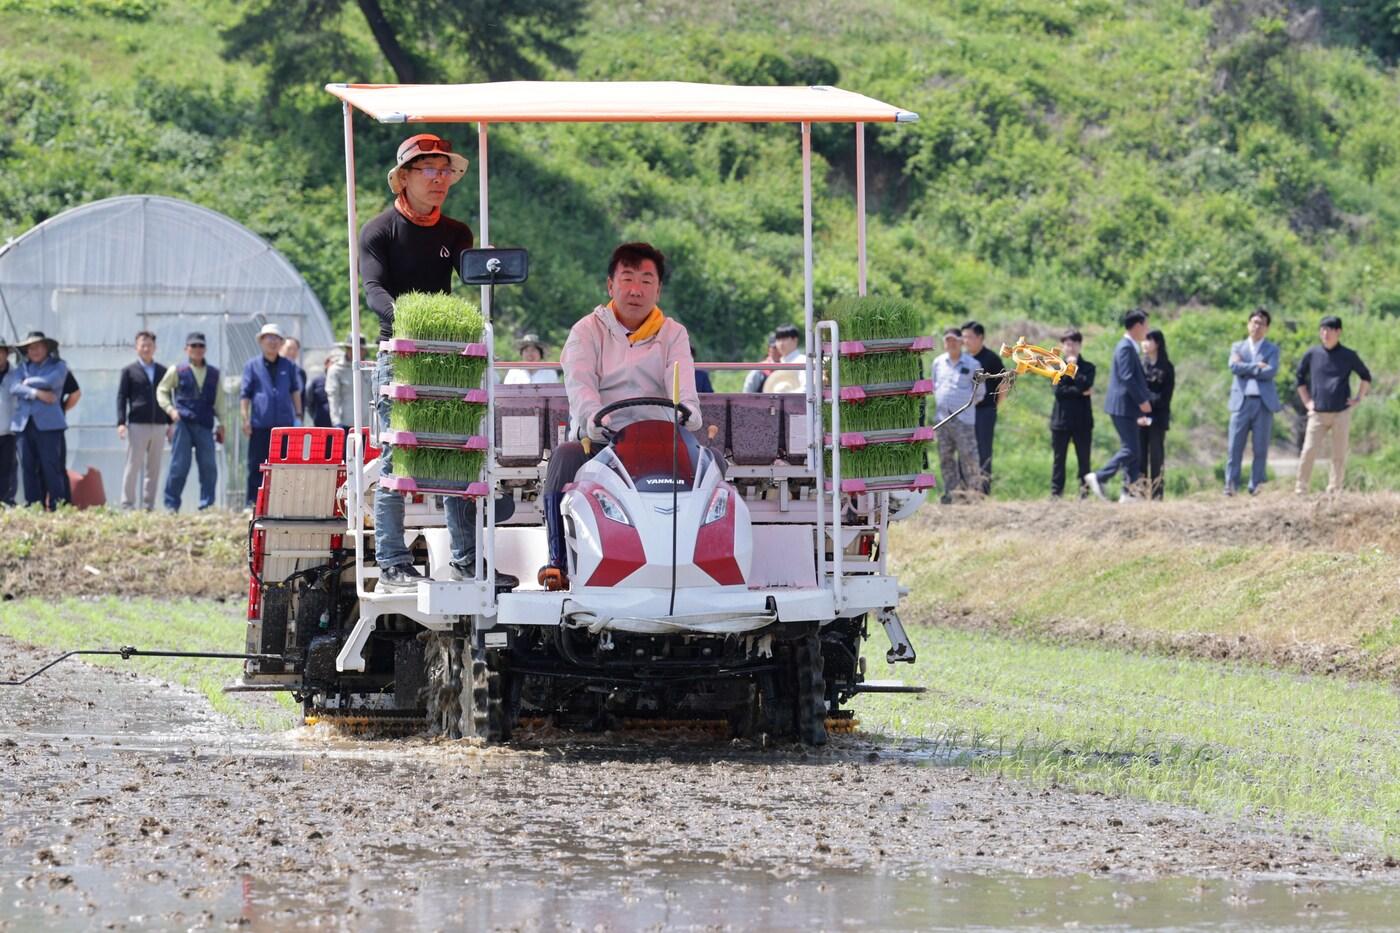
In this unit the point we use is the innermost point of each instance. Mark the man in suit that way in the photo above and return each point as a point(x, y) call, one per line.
point(141, 423)
point(1072, 417)
point(1127, 403)
point(1253, 401)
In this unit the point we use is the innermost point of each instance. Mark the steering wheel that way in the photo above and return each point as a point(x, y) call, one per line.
point(644, 402)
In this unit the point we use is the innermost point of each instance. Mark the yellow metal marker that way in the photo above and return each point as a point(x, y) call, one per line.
point(676, 384)
point(1030, 358)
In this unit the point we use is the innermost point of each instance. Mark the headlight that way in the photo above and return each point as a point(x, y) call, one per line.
point(719, 506)
point(612, 509)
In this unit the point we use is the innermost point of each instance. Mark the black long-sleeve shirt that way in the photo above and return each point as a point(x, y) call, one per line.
point(1073, 410)
point(1327, 374)
point(1161, 382)
point(398, 256)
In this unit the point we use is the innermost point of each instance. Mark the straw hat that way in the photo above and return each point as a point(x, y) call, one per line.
point(37, 336)
point(424, 144)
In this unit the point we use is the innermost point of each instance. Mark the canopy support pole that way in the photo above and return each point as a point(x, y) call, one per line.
point(486, 506)
point(813, 356)
point(483, 207)
point(860, 209)
point(354, 453)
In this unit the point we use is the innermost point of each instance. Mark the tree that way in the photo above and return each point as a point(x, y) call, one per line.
point(304, 41)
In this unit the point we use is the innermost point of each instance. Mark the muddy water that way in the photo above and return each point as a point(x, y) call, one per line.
point(125, 803)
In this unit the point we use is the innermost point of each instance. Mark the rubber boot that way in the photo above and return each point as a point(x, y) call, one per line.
point(555, 574)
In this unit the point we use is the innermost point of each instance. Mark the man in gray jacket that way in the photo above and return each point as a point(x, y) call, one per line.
point(1253, 401)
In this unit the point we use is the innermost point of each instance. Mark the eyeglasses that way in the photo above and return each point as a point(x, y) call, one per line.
point(429, 172)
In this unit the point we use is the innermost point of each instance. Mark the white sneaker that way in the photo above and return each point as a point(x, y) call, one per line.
point(1092, 481)
point(1127, 497)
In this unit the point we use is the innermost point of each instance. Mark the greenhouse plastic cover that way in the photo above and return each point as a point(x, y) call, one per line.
point(93, 276)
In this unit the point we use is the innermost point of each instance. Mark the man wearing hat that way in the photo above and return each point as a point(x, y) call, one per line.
point(141, 422)
point(44, 390)
point(9, 458)
point(340, 386)
point(413, 247)
point(189, 394)
point(270, 397)
point(531, 350)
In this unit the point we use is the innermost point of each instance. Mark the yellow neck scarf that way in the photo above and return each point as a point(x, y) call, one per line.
point(648, 328)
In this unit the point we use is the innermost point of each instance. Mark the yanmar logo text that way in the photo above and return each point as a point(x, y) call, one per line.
point(663, 481)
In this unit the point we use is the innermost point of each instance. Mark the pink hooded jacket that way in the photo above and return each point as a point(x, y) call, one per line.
point(601, 367)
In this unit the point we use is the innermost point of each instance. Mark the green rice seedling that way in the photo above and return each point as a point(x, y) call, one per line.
point(878, 414)
point(436, 416)
point(881, 460)
point(439, 369)
point(422, 316)
point(874, 318)
point(433, 463)
point(875, 368)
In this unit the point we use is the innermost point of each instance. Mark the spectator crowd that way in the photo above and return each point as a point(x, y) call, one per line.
point(180, 405)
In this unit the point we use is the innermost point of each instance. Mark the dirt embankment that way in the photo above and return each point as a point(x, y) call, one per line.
point(100, 552)
point(1311, 584)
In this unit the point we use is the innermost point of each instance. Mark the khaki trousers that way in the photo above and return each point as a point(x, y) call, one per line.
point(1323, 425)
point(144, 444)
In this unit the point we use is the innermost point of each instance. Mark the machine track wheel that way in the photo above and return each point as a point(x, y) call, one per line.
point(442, 661)
point(811, 690)
point(487, 709)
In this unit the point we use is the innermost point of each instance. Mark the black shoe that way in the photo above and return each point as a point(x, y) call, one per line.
point(465, 570)
point(400, 578)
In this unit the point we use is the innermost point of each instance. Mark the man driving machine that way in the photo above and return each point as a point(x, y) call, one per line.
point(625, 349)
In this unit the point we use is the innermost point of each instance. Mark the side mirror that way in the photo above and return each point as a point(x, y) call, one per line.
point(492, 266)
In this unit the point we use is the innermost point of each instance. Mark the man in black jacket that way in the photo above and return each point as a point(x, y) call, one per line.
point(974, 341)
point(1072, 417)
point(141, 423)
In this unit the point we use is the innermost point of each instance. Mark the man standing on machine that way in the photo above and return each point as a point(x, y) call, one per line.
point(625, 349)
point(413, 247)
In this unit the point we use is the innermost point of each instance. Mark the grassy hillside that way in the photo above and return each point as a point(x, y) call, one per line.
point(1072, 160)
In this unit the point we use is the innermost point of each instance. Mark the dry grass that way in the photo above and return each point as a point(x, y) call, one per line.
point(1312, 584)
point(101, 552)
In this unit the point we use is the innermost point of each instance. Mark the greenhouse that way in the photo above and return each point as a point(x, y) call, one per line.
point(93, 276)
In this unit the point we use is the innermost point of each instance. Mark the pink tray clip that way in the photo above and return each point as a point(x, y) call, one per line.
point(855, 440)
point(448, 441)
point(428, 488)
point(400, 392)
point(917, 482)
point(408, 345)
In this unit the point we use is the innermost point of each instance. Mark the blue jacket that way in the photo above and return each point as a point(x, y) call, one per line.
point(30, 379)
point(1245, 370)
point(271, 395)
point(196, 404)
point(1127, 383)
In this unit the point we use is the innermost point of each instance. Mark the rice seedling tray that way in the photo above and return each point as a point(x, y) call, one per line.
point(848, 348)
point(408, 345)
point(914, 481)
point(855, 440)
point(400, 392)
point(882, 389)
point(426, 439)
point(434, 487)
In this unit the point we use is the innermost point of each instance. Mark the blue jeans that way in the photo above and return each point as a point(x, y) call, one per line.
point(43, 456)
point(1129, 456)
point(190, 436)
point(1252, 420)
point(389, 547)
